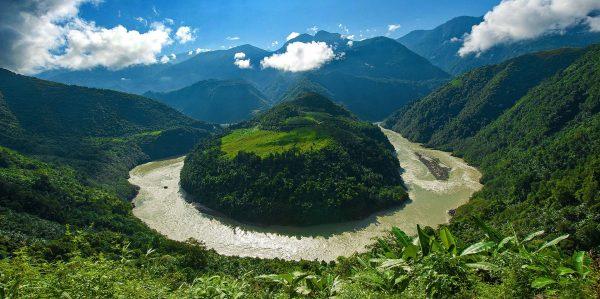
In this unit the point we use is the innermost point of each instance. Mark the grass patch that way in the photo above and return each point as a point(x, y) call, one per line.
point(263, 142)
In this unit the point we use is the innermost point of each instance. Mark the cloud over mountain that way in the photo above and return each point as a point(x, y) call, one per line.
point(300, 57)
point(40, 35)
point(184, 34)
point(515, 20)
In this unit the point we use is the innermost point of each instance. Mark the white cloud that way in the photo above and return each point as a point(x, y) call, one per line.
point(243, 64)
point(350, 43)
point(190, 52)
point(594, 23)
point(350, 37)
point(455, 40)
point(200, 50)
point(232, 38)
point(300, 57)
point(515, 20)
point(393, 27)
point(313, 29)
point(184, 34)
point(169, 21)
point(164, 59)
point(274, 44)
point(37, 36)
point(240, 61)
point(173, 56)
point(292, 36)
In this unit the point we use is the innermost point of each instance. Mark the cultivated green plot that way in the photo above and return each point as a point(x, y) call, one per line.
point(264, 143)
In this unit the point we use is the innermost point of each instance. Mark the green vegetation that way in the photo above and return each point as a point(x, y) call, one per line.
point(264, 143)
point(218, 101)
point(100, 133)
point(539, 154)
point(303, 162)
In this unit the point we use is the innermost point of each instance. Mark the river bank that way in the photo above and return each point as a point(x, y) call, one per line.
point(167, 211)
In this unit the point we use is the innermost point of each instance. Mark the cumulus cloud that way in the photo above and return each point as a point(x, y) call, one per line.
point(40, 35)
point(300, 57)
point(243, 63)
point(292, 36)
point(240, 61)
point(350, 43)
point(173, 56)
point(393, 27)
point(164, 59)
point(516, 20)
point(184, 34)
point(232, 38)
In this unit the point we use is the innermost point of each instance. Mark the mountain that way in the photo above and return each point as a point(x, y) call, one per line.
point(537, 143)
point(441, 44)
point(457, 111)
point(305, 161)
point(98, 132)
point(371, 77)
point(217, 101)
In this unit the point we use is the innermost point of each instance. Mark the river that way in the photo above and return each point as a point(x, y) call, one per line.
point(162, 206)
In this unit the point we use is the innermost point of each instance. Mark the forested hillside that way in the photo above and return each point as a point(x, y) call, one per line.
point(305, 161)
point(539, 156)
point(217, 101)
point(100, 133)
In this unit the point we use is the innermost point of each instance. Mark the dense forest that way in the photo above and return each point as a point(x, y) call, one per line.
point(538, 153)
point(100, 133)
point(305, 161)
point(216, 101)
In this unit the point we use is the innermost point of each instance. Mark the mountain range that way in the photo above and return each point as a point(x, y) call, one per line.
point(441, 44)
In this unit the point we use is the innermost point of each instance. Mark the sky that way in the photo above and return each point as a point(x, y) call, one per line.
point(41, 35)
point(260, 23)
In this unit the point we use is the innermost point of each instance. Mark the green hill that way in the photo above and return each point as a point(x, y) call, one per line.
point(539, 155)
point(457, 111)
point(217, 101)
point(101, 133)
point(305, 161)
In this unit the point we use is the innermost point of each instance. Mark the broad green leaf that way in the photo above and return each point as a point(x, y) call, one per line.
point(423, 241)
point(564, 271)
point(410, 251)
point(542, 282)
point(401, 236)
point(491, 233)
point(478, 247)
point(533, 235)
point(482, 266)
point(581, 261)
point(448, 240)
point(553, 242)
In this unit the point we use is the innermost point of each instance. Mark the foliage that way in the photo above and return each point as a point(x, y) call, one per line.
point(303, 162)
point(539, 155)
point(218, 101)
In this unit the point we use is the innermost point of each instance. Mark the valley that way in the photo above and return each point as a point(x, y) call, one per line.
point(168, 211)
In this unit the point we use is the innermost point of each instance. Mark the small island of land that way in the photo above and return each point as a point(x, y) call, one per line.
point(303, 162)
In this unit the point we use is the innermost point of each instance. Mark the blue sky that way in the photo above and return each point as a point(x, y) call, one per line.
point(261, 22)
